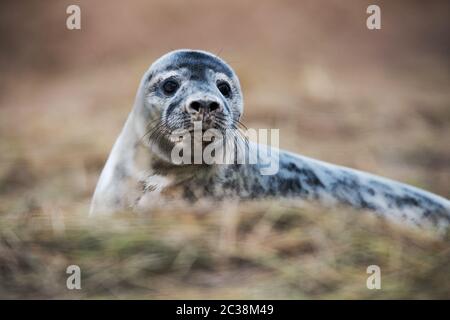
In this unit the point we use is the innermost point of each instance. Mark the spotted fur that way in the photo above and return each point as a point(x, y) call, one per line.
point(139, 174)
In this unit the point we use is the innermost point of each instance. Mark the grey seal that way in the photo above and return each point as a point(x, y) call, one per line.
point(185, 87)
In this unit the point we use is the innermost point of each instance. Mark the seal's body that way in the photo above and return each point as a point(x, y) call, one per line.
point(185, 87)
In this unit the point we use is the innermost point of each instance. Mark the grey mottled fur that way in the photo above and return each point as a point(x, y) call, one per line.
point(138, 172)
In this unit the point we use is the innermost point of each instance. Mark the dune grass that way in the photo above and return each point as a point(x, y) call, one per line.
point(267, 250)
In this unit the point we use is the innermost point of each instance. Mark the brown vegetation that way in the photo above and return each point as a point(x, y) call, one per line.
point(373, 100)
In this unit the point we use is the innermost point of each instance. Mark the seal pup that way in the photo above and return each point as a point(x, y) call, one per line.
point(185, 87)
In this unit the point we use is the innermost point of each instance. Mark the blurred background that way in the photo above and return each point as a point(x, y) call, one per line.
point(375, 100)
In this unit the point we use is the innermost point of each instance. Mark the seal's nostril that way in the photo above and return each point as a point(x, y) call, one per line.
point(204, 106)
point(213, 106)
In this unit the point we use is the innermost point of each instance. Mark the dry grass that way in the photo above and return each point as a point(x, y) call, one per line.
point(266, 250)
point(373, 101)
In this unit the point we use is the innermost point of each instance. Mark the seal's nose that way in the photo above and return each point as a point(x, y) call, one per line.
point(203, 106)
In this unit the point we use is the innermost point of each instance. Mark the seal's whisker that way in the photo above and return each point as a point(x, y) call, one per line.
point(149, 132)
point(236, 135)
point(237, 126)
point(153, 121)
point(157, 132)
point(154, 129)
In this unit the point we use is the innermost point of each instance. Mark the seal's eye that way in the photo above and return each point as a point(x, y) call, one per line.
point(224, 88)
point(170, 86)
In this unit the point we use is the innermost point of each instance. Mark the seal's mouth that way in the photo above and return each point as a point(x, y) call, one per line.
point(205, 132)
point(175, 130)
point(193, 140)
point(167, 132)
point(202, 127)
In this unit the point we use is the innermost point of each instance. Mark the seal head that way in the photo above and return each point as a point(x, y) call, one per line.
point(184, 88)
